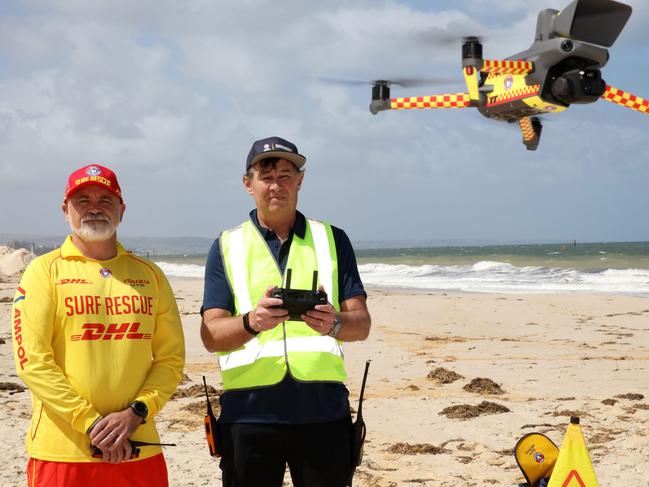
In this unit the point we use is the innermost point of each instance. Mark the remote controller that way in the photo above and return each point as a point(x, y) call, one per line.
point(299, 301)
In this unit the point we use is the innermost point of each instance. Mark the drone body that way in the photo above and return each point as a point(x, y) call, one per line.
point(561, 67)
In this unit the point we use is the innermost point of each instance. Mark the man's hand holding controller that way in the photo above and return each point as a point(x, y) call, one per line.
point(283, 304)
point(268, 313)
point(322, 317)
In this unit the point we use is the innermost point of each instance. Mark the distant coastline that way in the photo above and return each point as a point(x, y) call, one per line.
point(609, 268)
point(612, 268)
point(454, 251)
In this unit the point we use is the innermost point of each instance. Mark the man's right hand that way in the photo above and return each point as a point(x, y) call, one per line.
point(222, 332)
point(117, 452)
point(264, 316)
point(111, 434)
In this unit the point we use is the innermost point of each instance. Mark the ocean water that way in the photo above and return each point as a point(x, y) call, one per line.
point(618, 268)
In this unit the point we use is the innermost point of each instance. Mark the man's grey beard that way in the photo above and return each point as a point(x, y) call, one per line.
point(93, 230)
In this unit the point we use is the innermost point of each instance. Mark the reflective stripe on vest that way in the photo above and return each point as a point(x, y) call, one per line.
point(238, 263)
point(250, 269)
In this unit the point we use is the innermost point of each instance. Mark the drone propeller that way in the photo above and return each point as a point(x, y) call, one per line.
point(403, 82)
point(626, 99)
point(440, 37)
point(465, 39)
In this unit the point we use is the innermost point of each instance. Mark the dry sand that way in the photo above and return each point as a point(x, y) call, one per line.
point(540, 358)
point(13, 261)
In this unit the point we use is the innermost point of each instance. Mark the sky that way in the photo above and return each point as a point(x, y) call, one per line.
point(172, 94)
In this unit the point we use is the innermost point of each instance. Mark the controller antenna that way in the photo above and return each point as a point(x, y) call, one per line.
point(315, 281)
point(288, 278)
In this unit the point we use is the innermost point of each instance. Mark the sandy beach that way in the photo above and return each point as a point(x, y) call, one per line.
point(541, 358)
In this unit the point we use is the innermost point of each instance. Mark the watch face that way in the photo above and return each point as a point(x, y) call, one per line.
point(140, 409)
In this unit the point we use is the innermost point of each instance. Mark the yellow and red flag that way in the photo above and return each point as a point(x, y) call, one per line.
point(573, 467)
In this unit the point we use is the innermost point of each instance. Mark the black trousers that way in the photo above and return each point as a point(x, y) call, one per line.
point(256, 455)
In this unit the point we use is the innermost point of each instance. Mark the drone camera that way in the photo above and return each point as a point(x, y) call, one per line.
point(578, 86)
point(567, 45)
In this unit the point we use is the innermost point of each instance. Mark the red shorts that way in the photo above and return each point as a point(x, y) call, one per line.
point(151, 472)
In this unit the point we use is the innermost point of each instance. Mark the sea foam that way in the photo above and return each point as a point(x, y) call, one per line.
point(182, 270)
point(501, 277)
point(483, 277)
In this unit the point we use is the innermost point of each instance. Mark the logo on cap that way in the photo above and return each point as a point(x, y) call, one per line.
point(93, 171)
point(268, 147)
point(105, 272)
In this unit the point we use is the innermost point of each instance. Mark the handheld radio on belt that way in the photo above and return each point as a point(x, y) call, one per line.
point(358, 427)
point(211, 427)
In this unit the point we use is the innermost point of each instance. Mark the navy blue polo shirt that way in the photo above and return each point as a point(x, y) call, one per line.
point(290, 401)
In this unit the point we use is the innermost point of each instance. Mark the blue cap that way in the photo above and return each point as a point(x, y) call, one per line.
point(274, 147)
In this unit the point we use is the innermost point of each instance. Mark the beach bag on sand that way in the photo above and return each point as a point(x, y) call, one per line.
point(358, 430)
point(536, 455)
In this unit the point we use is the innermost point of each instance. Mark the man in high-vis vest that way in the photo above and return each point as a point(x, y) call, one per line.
point(98, 340)
point(284, 401)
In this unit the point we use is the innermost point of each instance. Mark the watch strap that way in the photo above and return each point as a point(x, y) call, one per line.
point(246, 325)
point(140, 409)
point(335, 327)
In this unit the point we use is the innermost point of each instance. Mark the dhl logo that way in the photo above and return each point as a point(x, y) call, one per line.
point(72, 281)
point(114, 331)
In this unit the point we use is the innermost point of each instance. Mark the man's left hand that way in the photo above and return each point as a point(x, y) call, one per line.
point(321, 318)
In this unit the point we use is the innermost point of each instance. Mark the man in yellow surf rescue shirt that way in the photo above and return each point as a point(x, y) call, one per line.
point(98, 340)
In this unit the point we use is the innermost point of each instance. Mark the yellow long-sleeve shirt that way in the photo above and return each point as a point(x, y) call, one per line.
point(89, 338)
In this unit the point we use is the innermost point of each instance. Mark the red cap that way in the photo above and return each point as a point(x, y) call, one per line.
point(93, 174)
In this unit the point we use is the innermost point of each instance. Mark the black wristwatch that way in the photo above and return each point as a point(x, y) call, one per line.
point(140, 409)
point(246, 325)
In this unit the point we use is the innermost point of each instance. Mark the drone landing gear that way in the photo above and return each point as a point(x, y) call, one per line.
point(531, 129)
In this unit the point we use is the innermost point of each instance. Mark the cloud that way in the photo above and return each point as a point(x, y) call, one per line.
point(171, 94)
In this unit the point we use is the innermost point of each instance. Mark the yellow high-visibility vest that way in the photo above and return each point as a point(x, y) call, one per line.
point(291, 347)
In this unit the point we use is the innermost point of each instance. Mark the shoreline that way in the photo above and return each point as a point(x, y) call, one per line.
point(437, 292)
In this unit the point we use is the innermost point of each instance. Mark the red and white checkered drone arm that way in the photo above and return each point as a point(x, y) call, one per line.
point(615, 95)
point(451, 100)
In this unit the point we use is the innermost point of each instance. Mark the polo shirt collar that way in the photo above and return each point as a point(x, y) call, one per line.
point(299, 227)
point(68, 249)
